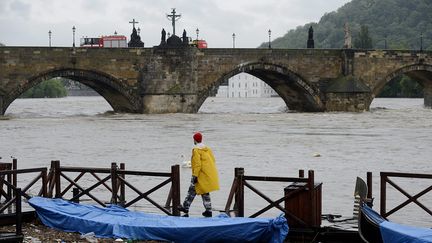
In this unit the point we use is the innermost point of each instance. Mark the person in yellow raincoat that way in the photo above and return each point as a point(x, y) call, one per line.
point(204, 176)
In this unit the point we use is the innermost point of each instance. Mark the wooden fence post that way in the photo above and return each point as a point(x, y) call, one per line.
point(75, 192)
point(301, 173)
point(369, 185)
point(122, 185)
point(239, 196)
point(383, 193)
point(18, 212)
point(311, 188)
point(175, 177)
point(14, 175)
point(114, 182)
point(44, 183)
point(51, 180)
point(9, 191)
point(56, 164)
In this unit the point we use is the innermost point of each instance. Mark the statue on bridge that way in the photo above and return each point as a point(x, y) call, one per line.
point(173, 41)
point(347, 38)
point(163, 38)
point(135, 40)
point(310, 41)
point(173, 18)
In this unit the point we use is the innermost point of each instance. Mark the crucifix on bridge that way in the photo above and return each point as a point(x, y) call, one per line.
point(133, 22)
point(173, 17)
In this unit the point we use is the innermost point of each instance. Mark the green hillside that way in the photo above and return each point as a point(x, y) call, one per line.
point(399, 22)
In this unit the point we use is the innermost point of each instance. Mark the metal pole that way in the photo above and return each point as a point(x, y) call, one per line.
point(233, 36)
point(73, 32)
point(269, 33)
point(49, 35)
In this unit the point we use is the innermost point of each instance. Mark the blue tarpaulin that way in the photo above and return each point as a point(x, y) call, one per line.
point(117, 222)
point(397, 233)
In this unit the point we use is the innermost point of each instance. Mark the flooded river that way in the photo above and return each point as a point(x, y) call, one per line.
point(257, 134)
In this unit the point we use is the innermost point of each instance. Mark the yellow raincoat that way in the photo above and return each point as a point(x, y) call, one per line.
point(204, 168)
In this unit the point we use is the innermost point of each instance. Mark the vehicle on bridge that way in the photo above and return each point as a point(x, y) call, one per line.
point(109, 41)
point(200, 44)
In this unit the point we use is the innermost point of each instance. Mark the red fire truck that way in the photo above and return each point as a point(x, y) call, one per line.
point(110, 41)
point(200, 44)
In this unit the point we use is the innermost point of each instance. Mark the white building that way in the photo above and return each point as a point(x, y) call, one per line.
point(245, 85)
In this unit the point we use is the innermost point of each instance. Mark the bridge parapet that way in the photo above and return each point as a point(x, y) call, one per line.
point(160, 80)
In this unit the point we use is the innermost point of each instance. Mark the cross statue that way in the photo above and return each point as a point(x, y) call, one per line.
point(133, 22)
point(173, 17)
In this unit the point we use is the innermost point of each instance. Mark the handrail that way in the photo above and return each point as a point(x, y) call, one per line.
point(385, 178)
point(12, 184)
point(241, 181)
point(114, 181)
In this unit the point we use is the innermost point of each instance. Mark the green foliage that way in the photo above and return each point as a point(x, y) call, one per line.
point(402, 86)
point(373, 24)
point(52, 88)
point(363, 40)
point(400, 22)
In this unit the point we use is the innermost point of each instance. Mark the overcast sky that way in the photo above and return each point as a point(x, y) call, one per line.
point(27, 22)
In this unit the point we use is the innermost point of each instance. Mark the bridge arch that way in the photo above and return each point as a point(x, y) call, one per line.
point(297, 93)
point(114, 92)
point(422, 73)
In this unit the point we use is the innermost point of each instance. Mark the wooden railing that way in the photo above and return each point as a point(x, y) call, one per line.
point(386, 179)
point(11, 185)
point(112, 180)
point(303, 188)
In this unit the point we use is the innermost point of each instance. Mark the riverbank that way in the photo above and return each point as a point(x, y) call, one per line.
point(35, 232)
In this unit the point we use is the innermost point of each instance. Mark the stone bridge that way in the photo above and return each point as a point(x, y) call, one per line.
point(164, 80)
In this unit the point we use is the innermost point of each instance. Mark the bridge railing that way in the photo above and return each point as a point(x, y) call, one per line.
point(302, 198)
point(387, 178)
point(111, 183)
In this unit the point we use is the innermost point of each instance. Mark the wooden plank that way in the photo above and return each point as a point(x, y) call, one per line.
point(406, 175)
point(272, 178)
point(23, 171)
point(145, 173)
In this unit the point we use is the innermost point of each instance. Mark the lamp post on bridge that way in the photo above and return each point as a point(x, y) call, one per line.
point(385, 41)
point(73, 33)
point(421, 41)
point(49, 36)
point(233, 36)
point(269, 33)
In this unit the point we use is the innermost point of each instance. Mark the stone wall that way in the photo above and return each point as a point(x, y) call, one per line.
point(161, 80)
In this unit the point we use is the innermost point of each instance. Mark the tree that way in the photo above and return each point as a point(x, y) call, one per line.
point(402, 87)
point(52, 88)
point(363, 40)
point(1, 44)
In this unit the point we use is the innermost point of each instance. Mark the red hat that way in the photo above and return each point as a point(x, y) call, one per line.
point(197, 137)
